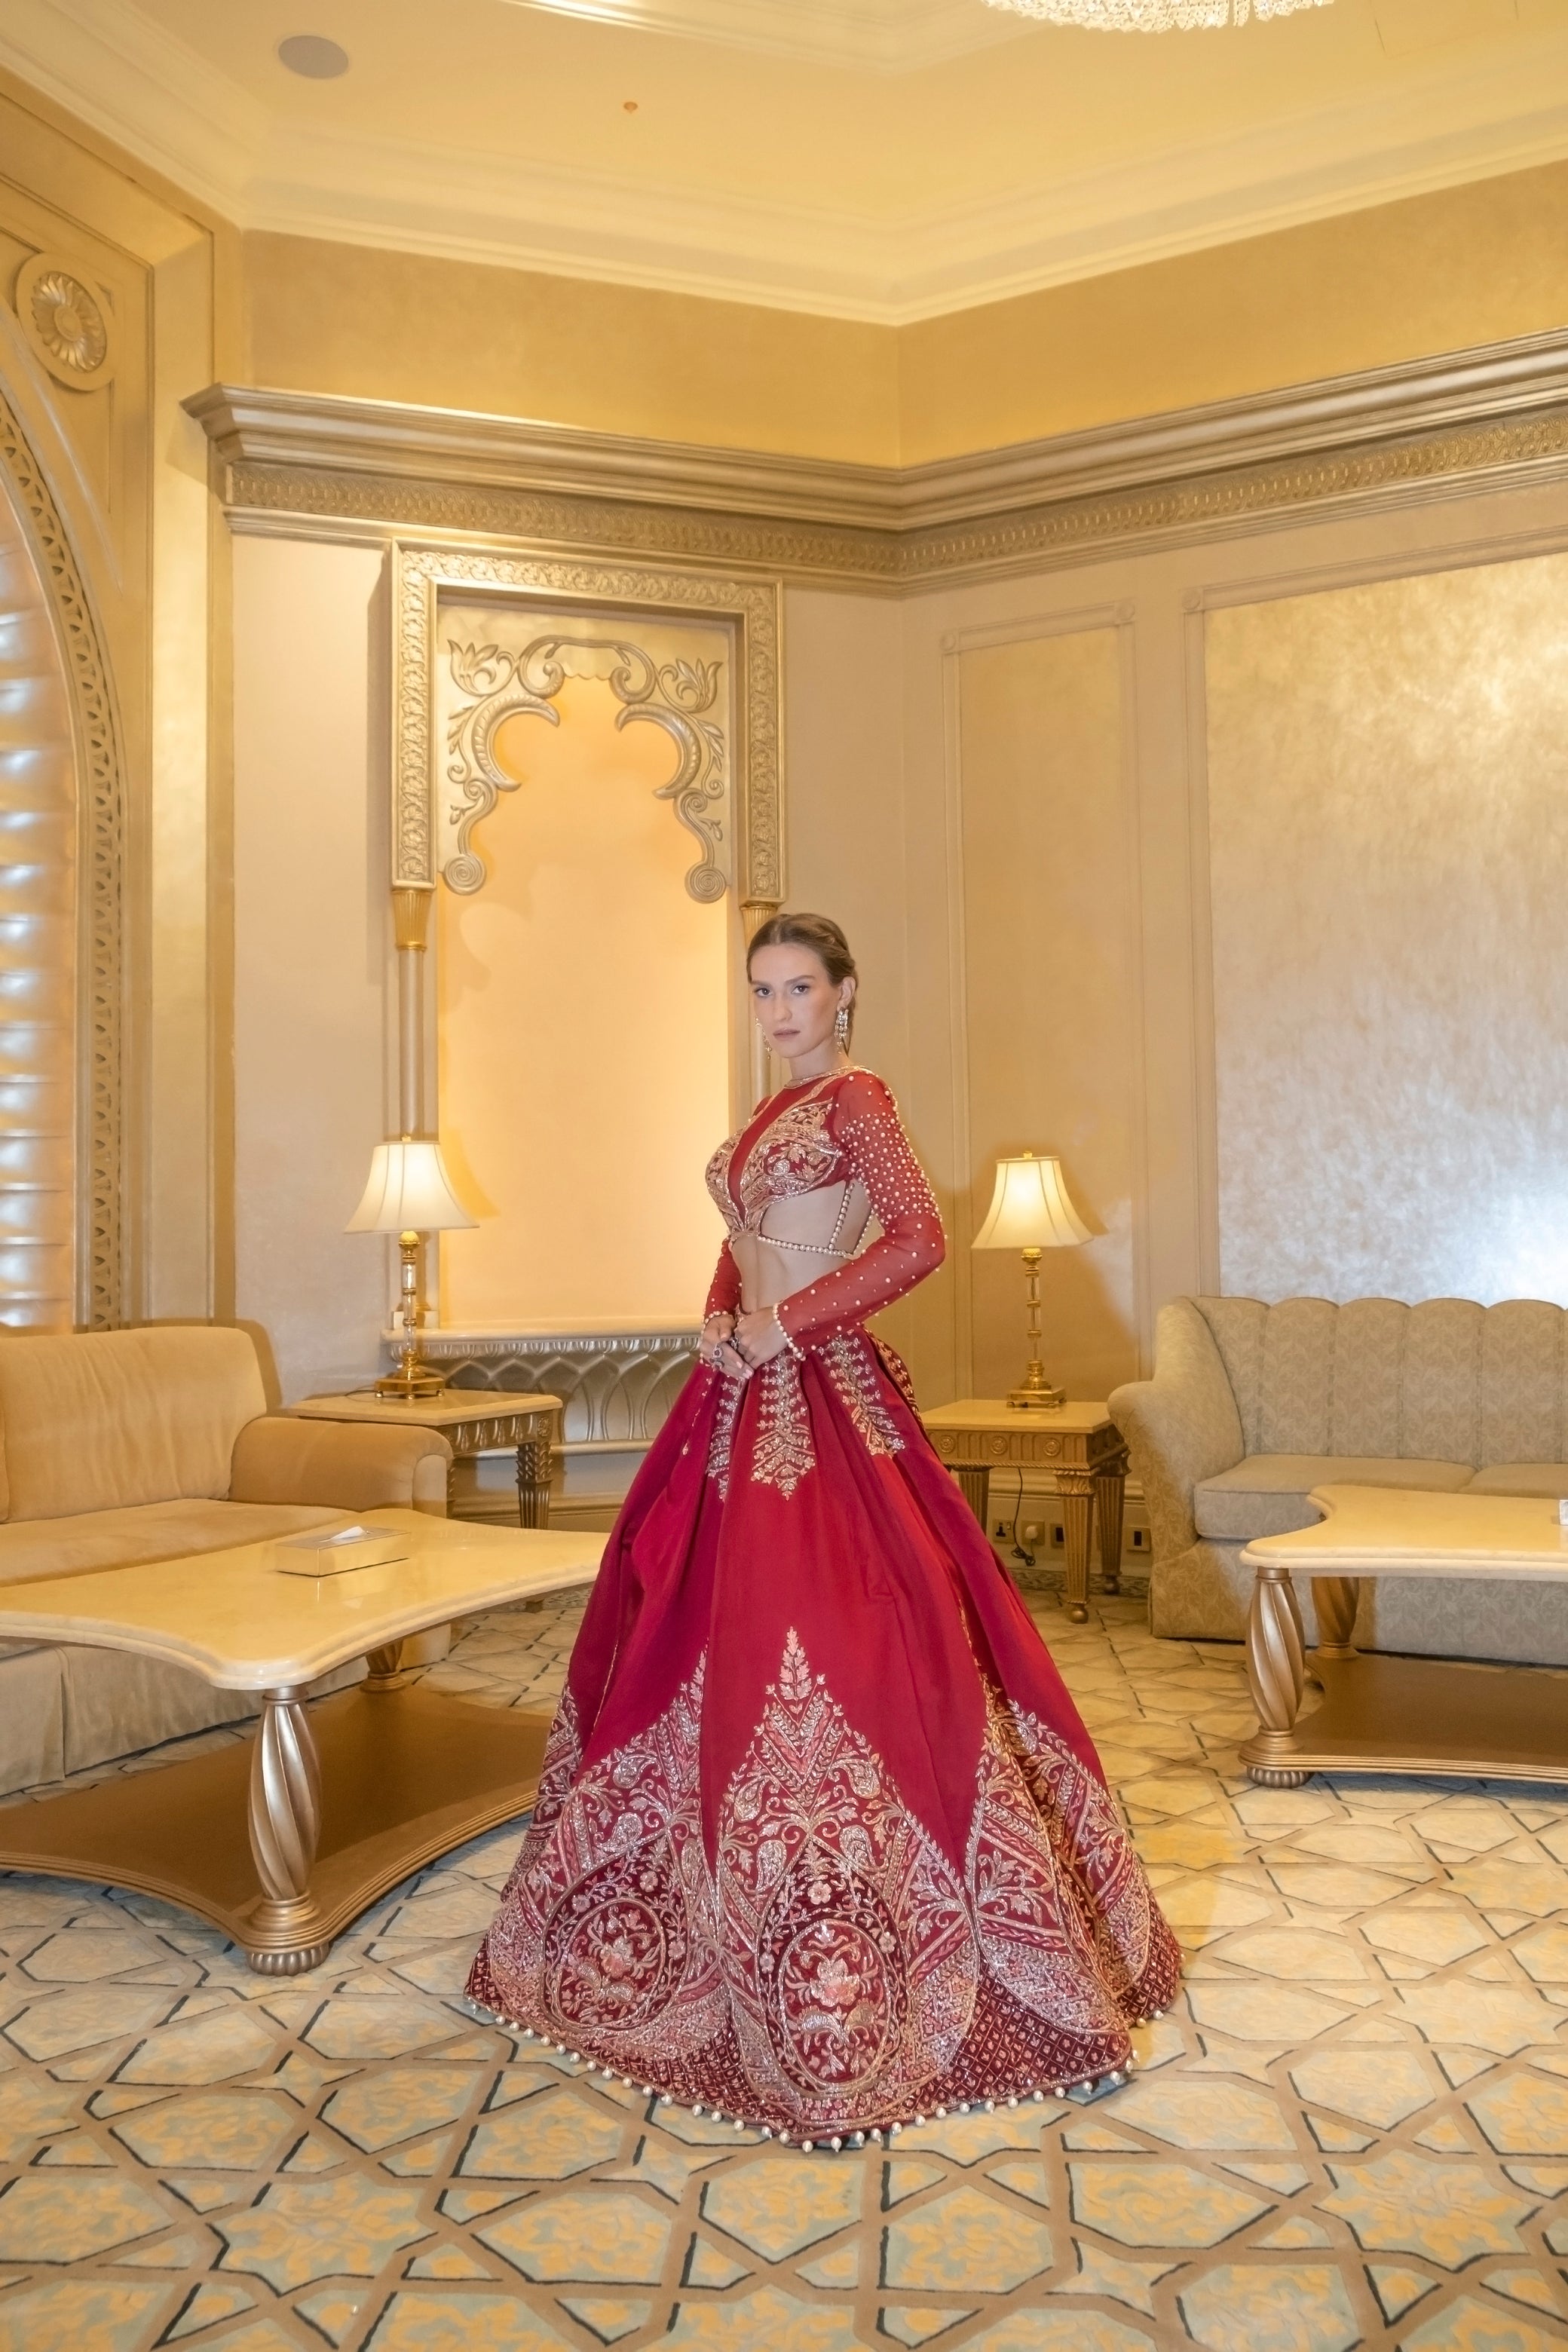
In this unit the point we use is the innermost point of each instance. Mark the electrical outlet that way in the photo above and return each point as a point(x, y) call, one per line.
point(1141, 1539)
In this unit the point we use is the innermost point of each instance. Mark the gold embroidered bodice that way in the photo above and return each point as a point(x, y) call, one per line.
point(798, 1186)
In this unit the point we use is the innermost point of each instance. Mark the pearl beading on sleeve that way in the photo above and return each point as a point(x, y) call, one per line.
point(872, 1145)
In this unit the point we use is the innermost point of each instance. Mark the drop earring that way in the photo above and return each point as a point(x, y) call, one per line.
point(841, 1027)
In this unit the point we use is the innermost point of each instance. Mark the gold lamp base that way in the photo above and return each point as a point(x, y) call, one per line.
point(1036, 1391)
point(416, 1376)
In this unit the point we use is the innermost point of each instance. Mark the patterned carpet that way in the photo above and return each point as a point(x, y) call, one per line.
point(1352, 2130)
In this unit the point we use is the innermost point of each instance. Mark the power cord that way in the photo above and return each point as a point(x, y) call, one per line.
point(1019, 1551)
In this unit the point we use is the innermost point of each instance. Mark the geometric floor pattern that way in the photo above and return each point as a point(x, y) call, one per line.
point(1350, 2130)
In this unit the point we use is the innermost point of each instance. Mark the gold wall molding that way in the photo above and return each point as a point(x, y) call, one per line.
point(1383, 436)
point(421, 573)
point(100, 828)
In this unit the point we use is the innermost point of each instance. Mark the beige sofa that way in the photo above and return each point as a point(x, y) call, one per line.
point(1251, 1406)
point(117, 1447)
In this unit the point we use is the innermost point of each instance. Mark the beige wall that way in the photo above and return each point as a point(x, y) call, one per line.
point(584, 1015)
point(1048, 1043)
point(1001, 790)
point(1434, 273)
point(1388, 840)
point(312, 951)
point(618, 359)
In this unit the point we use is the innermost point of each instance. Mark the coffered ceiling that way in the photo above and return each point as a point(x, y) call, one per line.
point(885, 160)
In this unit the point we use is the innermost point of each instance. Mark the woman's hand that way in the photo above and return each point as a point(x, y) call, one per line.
point(759, 1336)
point(716, 1346)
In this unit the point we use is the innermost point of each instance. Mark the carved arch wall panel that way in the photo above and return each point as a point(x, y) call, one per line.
point(747, 609)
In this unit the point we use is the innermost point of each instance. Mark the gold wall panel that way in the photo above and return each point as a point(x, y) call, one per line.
point(1388, 837)
point(585, 1003)
point(1050, 989)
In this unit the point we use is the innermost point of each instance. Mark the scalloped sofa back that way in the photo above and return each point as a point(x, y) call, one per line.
point(1251, 1406)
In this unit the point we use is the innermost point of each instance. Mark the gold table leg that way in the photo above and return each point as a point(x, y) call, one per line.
point(533, 1489)
point(1276, 1669)
point(346, 1800)
point(533, 1483)
point(383, 1668)
point(1075, 1491)
point(1335, 1598)
point(285, 1826)
point(1109, 1497)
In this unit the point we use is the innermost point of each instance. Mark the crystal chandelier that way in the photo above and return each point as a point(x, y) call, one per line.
point(1152, 16)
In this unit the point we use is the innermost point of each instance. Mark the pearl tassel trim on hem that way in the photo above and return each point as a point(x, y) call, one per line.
point(856, 2136)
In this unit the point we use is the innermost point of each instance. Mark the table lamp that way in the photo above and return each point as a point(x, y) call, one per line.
point(1030, 1212)
point(409, 1194)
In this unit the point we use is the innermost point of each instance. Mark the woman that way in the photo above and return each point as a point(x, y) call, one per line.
point(821, 1843)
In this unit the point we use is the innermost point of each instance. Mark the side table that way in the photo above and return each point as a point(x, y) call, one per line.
point(472, 1420)
point(1082, 1445)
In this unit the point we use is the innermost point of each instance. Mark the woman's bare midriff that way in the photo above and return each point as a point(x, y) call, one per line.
point(771, 1271)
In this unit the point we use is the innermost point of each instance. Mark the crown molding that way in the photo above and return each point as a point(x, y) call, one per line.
point(1456, 118)
point(295, 461)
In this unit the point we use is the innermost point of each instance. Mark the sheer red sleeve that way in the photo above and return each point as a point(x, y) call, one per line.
point(724, 1290)
point(868, 1127)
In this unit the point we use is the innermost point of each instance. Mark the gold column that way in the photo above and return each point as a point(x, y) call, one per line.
point(411, 928)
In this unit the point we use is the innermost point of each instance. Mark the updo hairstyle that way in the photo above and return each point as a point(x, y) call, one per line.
point(822, 935)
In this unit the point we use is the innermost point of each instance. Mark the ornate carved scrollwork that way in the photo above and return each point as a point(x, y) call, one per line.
point(678, 697)
point(679, 703)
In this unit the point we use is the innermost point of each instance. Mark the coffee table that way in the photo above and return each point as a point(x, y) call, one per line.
point(343, 1798)
point(1396, 1714)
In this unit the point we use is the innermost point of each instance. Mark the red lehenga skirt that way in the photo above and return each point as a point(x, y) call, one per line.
point(821, 1843)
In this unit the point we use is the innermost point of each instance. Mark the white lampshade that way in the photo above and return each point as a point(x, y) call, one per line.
point(409, 1192)
point(1030, 1208)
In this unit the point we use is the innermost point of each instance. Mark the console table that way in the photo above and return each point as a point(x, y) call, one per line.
point(1079, 1443)
point(1382, 1714)
point(472, 1420)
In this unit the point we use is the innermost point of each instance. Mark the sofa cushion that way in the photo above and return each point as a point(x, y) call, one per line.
point(1521, 1478)
point(98, 1420)
point(71, 1547)
point(1266, 1495)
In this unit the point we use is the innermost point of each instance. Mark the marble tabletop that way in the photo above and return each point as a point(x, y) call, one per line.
point(1394, 1532)
point(237, 1620)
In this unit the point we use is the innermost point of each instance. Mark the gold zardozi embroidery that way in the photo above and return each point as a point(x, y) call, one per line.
point(783, 1453)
